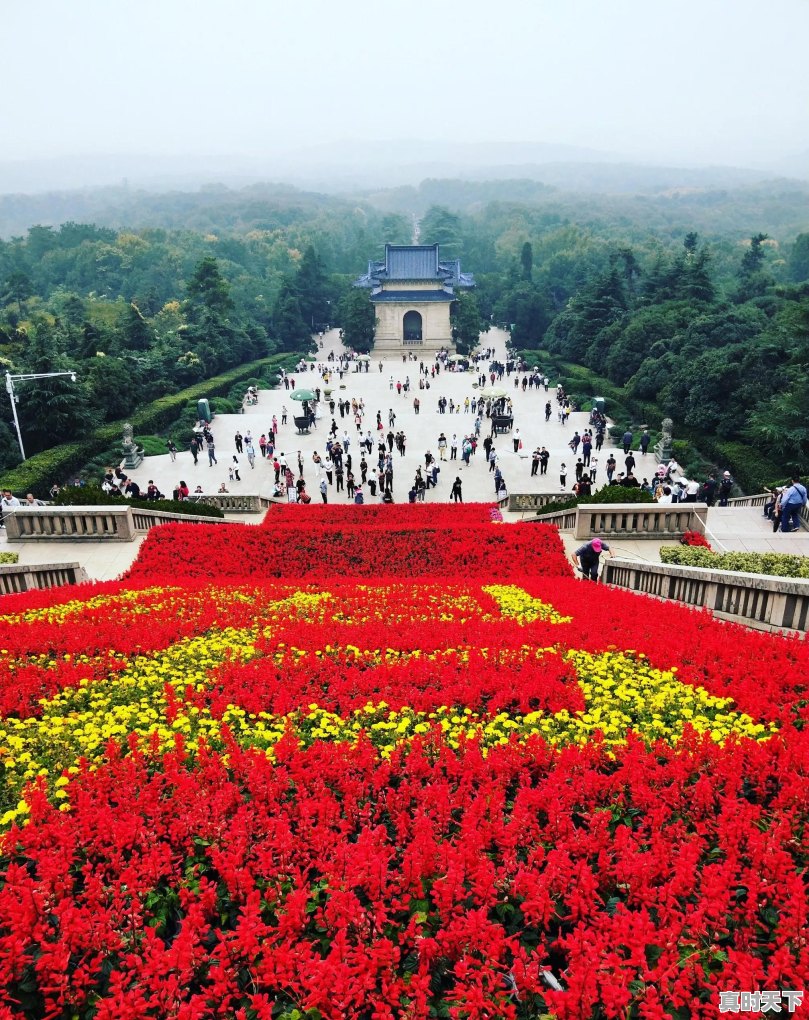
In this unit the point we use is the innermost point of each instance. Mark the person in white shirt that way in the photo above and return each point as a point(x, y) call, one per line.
point(666, 497)
point(691, 490)
point(7, 503)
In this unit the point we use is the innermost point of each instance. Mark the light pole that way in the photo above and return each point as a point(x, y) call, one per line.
point(11, 379)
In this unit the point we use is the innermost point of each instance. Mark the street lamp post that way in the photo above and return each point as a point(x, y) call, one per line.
point(11, 379)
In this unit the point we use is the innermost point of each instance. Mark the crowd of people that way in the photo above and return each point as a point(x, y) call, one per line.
point(363, 453)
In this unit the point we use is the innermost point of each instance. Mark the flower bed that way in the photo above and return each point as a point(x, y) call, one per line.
point(395, 796)
point(379, 541)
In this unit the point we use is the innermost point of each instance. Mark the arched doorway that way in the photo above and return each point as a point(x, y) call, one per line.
point(412, 327)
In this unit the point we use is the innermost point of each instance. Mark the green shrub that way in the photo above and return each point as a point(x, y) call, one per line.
point(775, 564)
point(221, 405)
point(618, 494)
point(692, 460)
point(7, 557)
point(606, 494)
point(152, 446)
point(88, 495)
point(749, 467)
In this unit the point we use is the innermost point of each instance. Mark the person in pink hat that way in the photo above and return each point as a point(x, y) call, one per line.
point(587, 557)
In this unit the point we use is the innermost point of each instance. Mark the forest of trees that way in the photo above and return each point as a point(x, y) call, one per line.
point(711, 332)
point(140, 313)
point(694, 308)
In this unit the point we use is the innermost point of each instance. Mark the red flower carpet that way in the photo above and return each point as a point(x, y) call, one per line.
point(383, 762)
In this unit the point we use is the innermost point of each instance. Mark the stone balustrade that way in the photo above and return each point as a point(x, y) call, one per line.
point(639, 520)
point(145, 520)
point(89, 523)
point(757, 600)
point(618, 520)
point(565, 520)
point(745, 501)
point(16, 578)
point(232, 502)
point(533, 501)
point(78, 523)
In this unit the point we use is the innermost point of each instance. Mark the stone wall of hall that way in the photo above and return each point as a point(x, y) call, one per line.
point(436, 331)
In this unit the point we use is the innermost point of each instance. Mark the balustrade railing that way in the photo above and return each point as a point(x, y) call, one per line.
point(15, 578)
point(565, 520)
point(533, 501)
point(232, 502)
point(90, 523)
point(639, 520)
point(757, 600)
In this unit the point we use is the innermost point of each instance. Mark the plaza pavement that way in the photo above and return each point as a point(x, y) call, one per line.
point(422, 431)
point(730, 529)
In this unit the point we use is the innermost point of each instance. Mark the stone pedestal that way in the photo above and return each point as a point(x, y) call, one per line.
point(664, 450)
point(133, 455)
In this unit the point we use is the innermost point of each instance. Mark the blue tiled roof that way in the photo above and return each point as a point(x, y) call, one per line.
point(411, 262)
point(412, 297)
point(415, 262)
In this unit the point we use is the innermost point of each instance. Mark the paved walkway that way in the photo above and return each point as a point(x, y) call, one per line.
point(731, 529)
point(422, 431)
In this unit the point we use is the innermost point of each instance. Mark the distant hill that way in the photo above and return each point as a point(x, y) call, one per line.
point(714, 201)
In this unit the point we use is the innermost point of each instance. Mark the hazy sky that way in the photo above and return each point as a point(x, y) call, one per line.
point(704, 80)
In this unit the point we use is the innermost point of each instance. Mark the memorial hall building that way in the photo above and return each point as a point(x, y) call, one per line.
point(412, 292)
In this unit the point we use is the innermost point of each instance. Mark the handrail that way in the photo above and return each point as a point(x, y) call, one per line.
point(231, 502)
point(639, 520)
point(90, 523)
point(756, 600)
point(18, 578)
point(528, 501)
point(565, 520)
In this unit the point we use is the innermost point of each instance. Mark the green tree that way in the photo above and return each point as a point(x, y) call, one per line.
point(138, 335)
point(208, 293)
point(18, 288)
point(780, 426)
point(631, 269)
point(442, 227)
point(312, 287)
point(529, 315)
point(698, 281)
point(51, 410)
point(290, 328)
point(754, 281)
point(799, 259)
point(356, 318)
point(527, 261)
point(600, 305)
point(214, 337)
point(466, 324)
point(113, 386)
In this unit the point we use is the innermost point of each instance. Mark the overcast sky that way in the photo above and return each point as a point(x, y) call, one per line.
point(692, 80)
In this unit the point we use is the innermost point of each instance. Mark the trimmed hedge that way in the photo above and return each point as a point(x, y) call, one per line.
point(749, 468)
point(39, 472)
point(606, 494)
point(776, 564)
point(88, 495)
point(6, 557)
